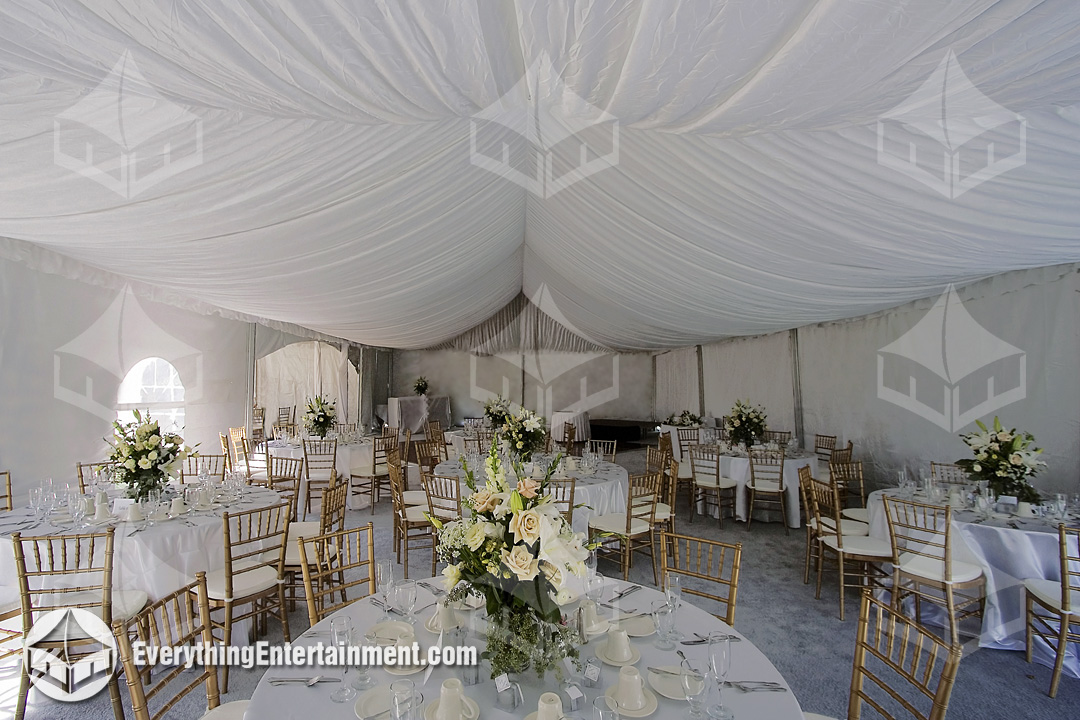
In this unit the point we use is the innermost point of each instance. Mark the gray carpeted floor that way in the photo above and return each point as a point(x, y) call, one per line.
point(802, 636)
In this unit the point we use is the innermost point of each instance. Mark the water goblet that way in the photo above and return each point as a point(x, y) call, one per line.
point(695, 674)
point(1060, 505)
point(341, 632)
point(674, 590)
point(37, 502)
point(594, 589)
point(720, 661)
point(405, 599)
point(605, 709)
point(663, 613)
point(76, 505)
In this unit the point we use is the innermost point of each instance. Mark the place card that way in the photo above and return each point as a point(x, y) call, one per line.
point(120, 506)
point(502, 682)
point(592, 672)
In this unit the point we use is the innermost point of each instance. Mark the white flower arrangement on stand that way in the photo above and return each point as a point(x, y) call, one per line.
point(144, 457)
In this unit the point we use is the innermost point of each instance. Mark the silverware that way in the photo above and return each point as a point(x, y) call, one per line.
point(309, 681)
point(755, 686)
point(719, 636)
point(378, 714)
point(631, 617)
point(388, 608)
point(431, 589)
point(662, 671)
point(623, 593)
point(693, 642)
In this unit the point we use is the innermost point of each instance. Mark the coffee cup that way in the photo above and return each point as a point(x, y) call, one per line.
point(177, 506)
point(134, 514)
point(618, 645)
point(630, 692)
point(452, 705)
point(549, 707)
point(447, 619)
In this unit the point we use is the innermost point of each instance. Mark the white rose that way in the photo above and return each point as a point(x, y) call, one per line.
point(1015, 459)
point(520, 562)
point(145, 463)
point(976, 468)
point(153, 455)
point(130, 463)
point(154, 440)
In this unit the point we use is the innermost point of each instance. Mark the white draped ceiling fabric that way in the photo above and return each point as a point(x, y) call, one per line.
point(335, 185)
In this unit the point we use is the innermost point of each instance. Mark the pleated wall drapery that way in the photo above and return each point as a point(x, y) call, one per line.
point(677, 386)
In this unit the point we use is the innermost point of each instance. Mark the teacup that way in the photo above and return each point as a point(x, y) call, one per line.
point(177, 506)
point(618, 645)
point(591, 619)
point(549, 707)
point(447, 619)
point(630, 692)
point(452, 705)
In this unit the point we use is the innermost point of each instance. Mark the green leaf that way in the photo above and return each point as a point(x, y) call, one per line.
point(517, 504)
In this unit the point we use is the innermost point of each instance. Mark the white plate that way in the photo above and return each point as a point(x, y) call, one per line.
point(98, 523)
point(635, 655)
point(641, 626)
point(651, 704)
point(670, 686)
point(433, 707)
point(372, 702)
point(387, 633)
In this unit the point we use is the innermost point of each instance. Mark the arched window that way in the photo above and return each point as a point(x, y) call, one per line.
point(154, 385)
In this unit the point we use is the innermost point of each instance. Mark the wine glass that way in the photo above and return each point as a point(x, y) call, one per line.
point(674, 590)
point(720, 661)
point(384, 580)
point(341, 632)
point(37, 502)
point(362, 679)
point(594, 589)
point(405, 599)
point(76, 505)
point(590, 564)
point(694, 678)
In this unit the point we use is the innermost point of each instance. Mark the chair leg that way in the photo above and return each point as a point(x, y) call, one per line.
point(693, 502)
point(371, 494)
point(840, 567)
point(227, 640)
point(284, 614)
point(24, 691)
point(750, 509)
point(820, 563)
point(806, 567)
point(783, 514)
point(1059, 661)
point(114, 696)
point(652, 556)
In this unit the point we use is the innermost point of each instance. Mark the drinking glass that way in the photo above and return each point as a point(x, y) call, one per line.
point(404, 700)
point(405, 594)
point(663, 613)
point(341, 632)
point(695, 674)
point(37, 502)
point(604, 710)
point(384, 580)
point(674, 590)
point(594, 589)
point(590, 564)
point(1060, 505)
point(76, 505)
point(362, 679)
point(720, 661)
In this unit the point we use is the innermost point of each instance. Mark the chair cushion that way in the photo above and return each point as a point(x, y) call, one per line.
point(723, 483)
point(765, 486)
point(366, 471)
point(931, 569)
point(416, 513)
point(245, 584)
point(861, 545)
point(236, 710)
point(307, 529)
point(258, 476)
point(663, 512)
point(849, 527)
point(616, 523)
point(685, 471)
point(415, 497)
point(1049, 591)
point(860, 514)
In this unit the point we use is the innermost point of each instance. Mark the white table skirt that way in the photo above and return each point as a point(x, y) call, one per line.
point(1007, 556)
point(602, 493)
point(456, 440)
point(580, 421)
point(297, 702)
point(411, 413)
point(738, 469)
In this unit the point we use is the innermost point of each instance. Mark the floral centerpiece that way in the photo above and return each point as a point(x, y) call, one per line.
point(745, 424)
point(516, 550)
point(1005, 459)
point(496, 411)
point(420, 387)
point(319, 416)
point(145, 458)
point(524, 434)
point(685, 419)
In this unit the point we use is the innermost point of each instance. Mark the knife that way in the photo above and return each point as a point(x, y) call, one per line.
point(623, 593)
point(662, 671)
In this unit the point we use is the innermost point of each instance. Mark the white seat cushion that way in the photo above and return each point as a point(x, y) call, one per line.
point(663, 512)
point(229, 711)
point(616, 523)
point(307, 529)
point(244, 584)
point(417, 513)
point(932, 569)
point(723, 483)
point(861, 545)
point(1049, 591)
point(860, 514)
point(849, 528)
point(685, 471)
point(415, 497)
point(367, 471)
point(258, 476)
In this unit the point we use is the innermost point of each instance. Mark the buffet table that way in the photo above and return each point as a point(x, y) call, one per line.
point(412, 413)
point(297, 701)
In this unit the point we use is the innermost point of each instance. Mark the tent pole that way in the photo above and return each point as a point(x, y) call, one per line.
point(796, 385)
point(700, 382)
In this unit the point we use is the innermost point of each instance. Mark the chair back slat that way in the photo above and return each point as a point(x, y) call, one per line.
point(767, 469)
point(255, 539)
point(217, 465)
point(842, 455)
point(780, 437)
point(687, 436)
point(85, 471)
point(332, 513)
point(704, 464)
point(443, 495)
point(1069, 550)
point(337, 568)
point(562, 494)
point(824, 446)
point(53, 569)
point(320, 456)
point(604, 448)
point(848, 478)
point(709, 560)
point(949, 474)
point(642, 498)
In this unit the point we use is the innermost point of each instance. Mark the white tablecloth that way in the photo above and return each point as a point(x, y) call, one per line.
point(738, 469)
point(580, 421)
point(410, 413)
point(298, 702)
point(456, 440)
point(1008, 556)
point(602, 493)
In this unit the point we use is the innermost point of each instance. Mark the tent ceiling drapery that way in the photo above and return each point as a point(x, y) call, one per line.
point(336, 188)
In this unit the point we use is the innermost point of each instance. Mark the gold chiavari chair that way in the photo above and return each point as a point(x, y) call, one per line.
point(477, 444)
point(331, 519)
point(179, 619)
point(688, 437)
point(254, 572)
point(655, 460)
point(7, 500)
point(823, 448)
point(413, 529)
point(216, 465)
point(335, 563)
point(443, 496)
point(85, 471)
point(710, 487)
point(767, 482)
point(255, 462)
point(391, 431)
point(237, 436)
point(281, 429)
point(1053, 606)
point(428, 454)
point(898, 666)
point(848, 479)
point(226, 450)
point(569, 440)
point(562, 494)
point(623, 534)
point(472, 423)
point(406, 453)
point(949, 474)
point(923, 566)
point(320, 464)
point(371, 479)
point(604, 448)
point(664, 444)
point(285, 476)
point(707, 560)
point(669, 491)
point(433, 430)
point(780, 437)
point(286, 415)
point(258, 417)
point(84, 558)
point(345, 428)
point(842, 455)
point(864, 552)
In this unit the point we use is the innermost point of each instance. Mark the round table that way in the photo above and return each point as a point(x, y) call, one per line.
point(298, 702)
point(737, 467)
point(1009, 550)
point(601, 493)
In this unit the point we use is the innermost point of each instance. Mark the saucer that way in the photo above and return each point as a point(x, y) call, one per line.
point(599, 628)
point(373, 702)
point(433, 707)
point(670, 686)
point(388, 633)
point(651, 704)
point(635, 655)
point(641, 626)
